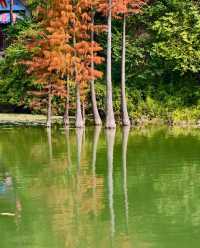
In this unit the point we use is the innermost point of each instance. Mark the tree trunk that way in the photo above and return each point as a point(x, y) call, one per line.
point(110, 119)
point(97, 119)
point(11, 11)
point(66, 114)
point(96, 116)
point(49, 110)
point(79, 117)
point(83, 111)
point(124, 111)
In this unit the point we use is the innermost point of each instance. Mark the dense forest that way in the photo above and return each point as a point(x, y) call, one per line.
point(118, 61)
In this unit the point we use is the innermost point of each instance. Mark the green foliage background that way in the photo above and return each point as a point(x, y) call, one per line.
point(162, 63)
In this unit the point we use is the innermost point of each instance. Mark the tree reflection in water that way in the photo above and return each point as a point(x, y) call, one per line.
point(110, 139)
point(96, 135)
point(81, 196)
point(79, 192)
point(125, 134)
point(49, 136)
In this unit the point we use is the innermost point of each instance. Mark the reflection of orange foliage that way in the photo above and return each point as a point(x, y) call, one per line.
point(124, 241)
point(73, 199)
point(74, 203)
point(86, 195)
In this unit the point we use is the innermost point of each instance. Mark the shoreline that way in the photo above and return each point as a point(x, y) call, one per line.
point(27, 120)
point(40, 120)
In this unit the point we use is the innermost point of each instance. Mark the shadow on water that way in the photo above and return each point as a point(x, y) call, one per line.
point(95, 188)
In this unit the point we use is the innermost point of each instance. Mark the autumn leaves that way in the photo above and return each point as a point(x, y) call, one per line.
point(65, 51)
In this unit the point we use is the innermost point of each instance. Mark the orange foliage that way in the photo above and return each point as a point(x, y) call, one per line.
point(55, 54)
point(85, 50)
point(52, 52)
point(121, 7)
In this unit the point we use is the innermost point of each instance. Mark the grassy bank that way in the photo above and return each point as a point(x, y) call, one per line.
point(27, 119)
point(40, 120)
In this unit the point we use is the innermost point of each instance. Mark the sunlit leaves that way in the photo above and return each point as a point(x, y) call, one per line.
point(179, 39)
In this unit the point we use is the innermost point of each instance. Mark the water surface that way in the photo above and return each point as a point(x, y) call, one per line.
point(96, 188)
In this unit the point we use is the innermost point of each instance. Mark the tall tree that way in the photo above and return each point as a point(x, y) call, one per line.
point(109, 8)
point(78, 32)
point(93, 6)
point(85, 52)
point(50, 52)
point(126, 7)
point(79, 116)
point(110, 118)
point(124, 110)
point(97, 118)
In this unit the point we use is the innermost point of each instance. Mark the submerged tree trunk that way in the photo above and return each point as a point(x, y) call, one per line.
point(124, 111)
point(49, 108)
point(96, 116)
point(66, 114)
point(110, 119)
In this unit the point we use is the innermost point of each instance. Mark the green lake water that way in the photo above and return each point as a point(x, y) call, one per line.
point(94, 188)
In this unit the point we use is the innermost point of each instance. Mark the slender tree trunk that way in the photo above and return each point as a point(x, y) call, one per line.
point(49, 107)
point(124, 111)
point(97, 119)
point(11, 11)
point(66, 114)
point(83, 111)
point(110, 119)
point(79, 118)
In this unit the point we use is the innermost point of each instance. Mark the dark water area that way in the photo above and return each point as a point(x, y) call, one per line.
point(97, 188)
